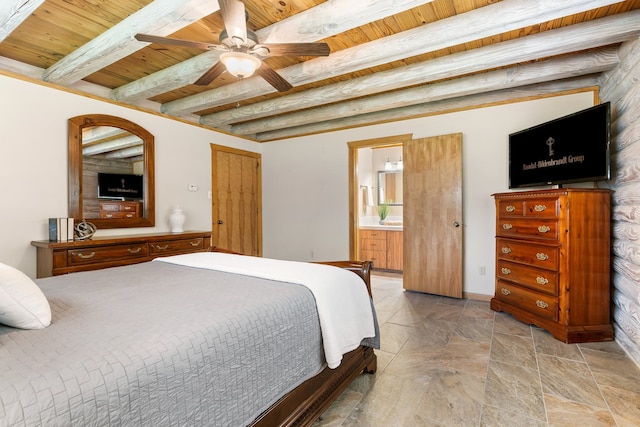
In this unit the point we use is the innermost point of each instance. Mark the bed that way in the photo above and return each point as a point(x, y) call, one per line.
point(190, 340)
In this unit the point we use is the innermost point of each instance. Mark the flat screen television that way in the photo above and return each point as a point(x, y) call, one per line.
point(120, 186)
point(573, 148)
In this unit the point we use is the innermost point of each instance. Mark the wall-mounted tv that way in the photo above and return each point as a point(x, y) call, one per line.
point(120, 186)
point(573, 148)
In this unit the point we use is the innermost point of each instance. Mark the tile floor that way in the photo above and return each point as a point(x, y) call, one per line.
point(449, 362)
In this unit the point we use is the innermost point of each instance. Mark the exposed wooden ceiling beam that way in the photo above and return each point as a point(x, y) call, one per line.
point(160, 17)
point(488, 21)
point(13, 12)
point(601, 32)
point(438, 107)
point(125, 153)
point(308, 26)
point(105, 147)
point(554, 69)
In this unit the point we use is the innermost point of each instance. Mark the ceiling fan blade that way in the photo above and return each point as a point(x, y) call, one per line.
point(177, 42)
point(211, 74)
point(296, 49)
point(273, 78)
point(235, 20)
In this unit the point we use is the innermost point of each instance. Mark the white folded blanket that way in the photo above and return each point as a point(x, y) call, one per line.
point(343, 303)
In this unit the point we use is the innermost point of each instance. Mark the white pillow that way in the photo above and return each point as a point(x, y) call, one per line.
point(22, 303)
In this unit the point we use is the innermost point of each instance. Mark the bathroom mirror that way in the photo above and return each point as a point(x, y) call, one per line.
point(111, 172)
point(390, 188)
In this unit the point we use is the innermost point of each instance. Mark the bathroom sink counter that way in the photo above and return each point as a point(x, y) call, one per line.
point(381, 227)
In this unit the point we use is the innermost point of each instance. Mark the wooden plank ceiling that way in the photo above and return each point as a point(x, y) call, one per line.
point(389, 59)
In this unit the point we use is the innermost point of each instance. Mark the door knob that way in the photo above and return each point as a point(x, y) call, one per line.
point(219, 221)
point(456, 224)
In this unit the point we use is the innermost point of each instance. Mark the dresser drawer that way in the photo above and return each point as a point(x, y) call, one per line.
point(373, 234)
point(119, 214)
point(374, 245)
point(379, 258)
point(528, 253)
point(509, 207)
point(534, 278)
point(109, 207)
point(544, 207)
point(176, 246)
point(527, 228)
point(543, 305)
point(106, 254)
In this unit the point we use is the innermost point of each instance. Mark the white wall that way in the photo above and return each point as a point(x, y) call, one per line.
point(33, 165)
point(305, 181)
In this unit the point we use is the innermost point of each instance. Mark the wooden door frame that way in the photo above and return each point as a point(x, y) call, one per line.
point(214, 185)
point(354, 146)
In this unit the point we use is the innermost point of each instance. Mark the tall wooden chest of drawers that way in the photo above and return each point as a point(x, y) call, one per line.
point(553, 261)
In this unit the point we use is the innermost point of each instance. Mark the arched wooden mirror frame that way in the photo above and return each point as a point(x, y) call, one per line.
point(76, 125)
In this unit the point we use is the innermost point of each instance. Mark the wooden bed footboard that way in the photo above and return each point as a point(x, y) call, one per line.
point(304, 405)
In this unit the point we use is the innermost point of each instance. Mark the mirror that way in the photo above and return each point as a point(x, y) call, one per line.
point(390, 188)
point(111, 172)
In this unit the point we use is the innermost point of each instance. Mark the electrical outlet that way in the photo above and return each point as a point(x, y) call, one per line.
point(193, 187)
point(482, 270)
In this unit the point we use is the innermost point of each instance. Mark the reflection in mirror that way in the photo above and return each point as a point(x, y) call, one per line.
point(111, 172)
point(390, 188)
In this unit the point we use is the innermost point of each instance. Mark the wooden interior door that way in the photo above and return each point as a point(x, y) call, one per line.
point(433, 215)
point(236, 200)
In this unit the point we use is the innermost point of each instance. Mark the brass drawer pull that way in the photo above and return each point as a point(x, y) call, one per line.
point(506, 270)
point(162, 248)
point(510, 208)
point(542, 257)
point(544, 228)
point(195, 243)
point(506, 250)
point(542, 304)
point(541, 280)
point(507, 226)
point(134, 251)
point(129, 215)
point(505, 291)
point(83, 256)
point(109, 216)
point(539, 208)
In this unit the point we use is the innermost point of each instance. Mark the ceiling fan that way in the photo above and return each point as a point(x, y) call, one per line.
point(242, 53)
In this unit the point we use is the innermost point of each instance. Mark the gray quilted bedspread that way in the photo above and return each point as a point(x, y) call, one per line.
point(157, 344)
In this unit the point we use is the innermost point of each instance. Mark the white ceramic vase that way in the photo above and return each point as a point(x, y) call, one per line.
point(176, 220)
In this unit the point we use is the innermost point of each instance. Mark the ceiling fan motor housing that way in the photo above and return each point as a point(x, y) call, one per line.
point(224, 39)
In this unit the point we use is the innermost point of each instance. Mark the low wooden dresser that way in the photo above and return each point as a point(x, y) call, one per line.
point(553, 261)
point(55, 258)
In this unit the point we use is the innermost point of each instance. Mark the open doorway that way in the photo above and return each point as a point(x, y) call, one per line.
point(376, 211)
point(429, 241)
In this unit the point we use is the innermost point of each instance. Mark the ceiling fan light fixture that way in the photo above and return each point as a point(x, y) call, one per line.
point(240, 64)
